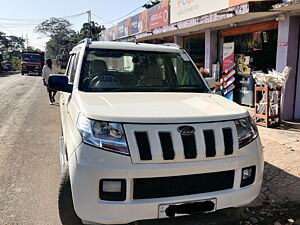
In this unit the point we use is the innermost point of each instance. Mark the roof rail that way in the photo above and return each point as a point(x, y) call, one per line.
point(86, 40)
point(171, 45)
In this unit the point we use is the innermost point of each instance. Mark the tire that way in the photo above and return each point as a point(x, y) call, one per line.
point(66, 210)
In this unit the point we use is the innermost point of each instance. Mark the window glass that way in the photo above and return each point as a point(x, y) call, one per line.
point(120, 70)
point(73, 67)
point(69, 69)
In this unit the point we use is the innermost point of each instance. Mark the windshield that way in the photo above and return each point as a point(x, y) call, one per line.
point(31, 58)
point(120, 70)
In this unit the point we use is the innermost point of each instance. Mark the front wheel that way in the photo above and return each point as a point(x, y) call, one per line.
point(66, 210)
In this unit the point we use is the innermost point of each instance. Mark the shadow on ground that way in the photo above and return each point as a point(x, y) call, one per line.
point(8, 74)
point(278, 202)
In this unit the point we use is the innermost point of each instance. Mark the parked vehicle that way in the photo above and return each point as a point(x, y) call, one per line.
point(144, 138)
point(32, 62)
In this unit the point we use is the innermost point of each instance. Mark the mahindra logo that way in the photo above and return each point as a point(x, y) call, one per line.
point(186, 130)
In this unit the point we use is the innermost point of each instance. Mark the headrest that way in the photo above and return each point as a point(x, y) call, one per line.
point(98, 66)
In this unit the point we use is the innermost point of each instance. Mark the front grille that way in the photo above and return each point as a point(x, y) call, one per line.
point(144, 146)
point(228, 140)
point(177, 143)
point(210, 143)
point(167, 145)
point(189, 146)
point(162, 187)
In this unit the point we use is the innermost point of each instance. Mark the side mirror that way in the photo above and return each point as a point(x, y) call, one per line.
point(211, 82)
point(60, 82)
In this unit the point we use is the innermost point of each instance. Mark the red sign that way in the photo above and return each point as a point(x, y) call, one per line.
point(228, 56)
point(282, 44)
point(159, 18)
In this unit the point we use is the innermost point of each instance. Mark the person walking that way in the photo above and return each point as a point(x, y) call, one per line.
point(47, 70)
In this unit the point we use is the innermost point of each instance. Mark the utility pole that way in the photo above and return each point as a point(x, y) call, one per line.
point(27, 41)
point(89, 21)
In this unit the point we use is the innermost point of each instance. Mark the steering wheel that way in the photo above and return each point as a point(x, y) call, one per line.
point(105, 81)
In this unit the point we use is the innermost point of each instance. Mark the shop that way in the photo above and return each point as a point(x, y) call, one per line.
point(195, 46)
point(248, 50)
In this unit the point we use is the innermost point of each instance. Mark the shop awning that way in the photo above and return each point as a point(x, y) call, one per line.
point(228, 17)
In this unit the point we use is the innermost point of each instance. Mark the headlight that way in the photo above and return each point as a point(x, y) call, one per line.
point(247, 130)
point(104, 135)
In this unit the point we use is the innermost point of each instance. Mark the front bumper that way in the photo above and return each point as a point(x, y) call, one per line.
point(89, 165)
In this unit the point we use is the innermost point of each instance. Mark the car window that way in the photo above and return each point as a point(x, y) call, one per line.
point(125, 70)
point(69, 68)
point(73, 67)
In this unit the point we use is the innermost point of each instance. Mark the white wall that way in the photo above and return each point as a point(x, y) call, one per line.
point(185, 9)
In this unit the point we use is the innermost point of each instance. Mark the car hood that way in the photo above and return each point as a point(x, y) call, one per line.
point(157, 107)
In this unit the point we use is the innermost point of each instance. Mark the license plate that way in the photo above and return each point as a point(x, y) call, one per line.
point(186, 208)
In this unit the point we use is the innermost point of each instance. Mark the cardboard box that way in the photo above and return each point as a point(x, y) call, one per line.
point(246, 70)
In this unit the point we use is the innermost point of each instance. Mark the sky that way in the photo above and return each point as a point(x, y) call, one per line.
point(19, 17)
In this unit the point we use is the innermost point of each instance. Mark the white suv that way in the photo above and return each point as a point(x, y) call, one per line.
point(144, 138)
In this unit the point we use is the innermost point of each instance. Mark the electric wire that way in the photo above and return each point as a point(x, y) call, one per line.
point(129, 13)
point(102, 19)
point(6, 29)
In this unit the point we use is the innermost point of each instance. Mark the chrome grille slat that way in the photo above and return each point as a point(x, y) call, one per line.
point(189, 146)
point(167, 145)
point(210, 143)
point(228, 140)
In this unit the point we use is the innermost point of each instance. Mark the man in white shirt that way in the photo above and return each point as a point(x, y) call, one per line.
point(47, 70)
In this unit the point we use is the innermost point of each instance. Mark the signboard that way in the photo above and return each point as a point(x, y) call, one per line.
point(158, 18)
point(116, 36)
point(239, 2)
point(121, 28)
point(135, 24)
point(186, 9)
point(158, 15)
point(228, 56)
point(139, 22)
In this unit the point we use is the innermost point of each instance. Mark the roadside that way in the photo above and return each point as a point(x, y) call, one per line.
point(279, 201)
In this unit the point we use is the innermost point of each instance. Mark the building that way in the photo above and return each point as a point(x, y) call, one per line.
point(263, 35)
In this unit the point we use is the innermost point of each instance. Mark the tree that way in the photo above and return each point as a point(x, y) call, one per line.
point(15, 46)
point(10, 46)
point(153, 3)
point(90, 30)
point(59, 30)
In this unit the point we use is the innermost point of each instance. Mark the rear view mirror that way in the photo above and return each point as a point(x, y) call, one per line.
point(211, 82)
point(60, 82)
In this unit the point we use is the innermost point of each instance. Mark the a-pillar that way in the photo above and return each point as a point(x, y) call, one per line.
point(287, 55)
point(211, 48)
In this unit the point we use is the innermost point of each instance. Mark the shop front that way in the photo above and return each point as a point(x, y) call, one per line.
point(195, 46)
point(254, 49)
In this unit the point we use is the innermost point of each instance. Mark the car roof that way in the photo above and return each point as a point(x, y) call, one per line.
point(172, 48)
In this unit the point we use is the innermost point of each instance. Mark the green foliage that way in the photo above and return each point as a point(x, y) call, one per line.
point(59, 30)
point(16, 63)
point(153, 3)
point(10, 46)
point(90, 30)
point(63, 38)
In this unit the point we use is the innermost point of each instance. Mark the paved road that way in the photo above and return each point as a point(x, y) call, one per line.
point(29, 170)
point(29, 173)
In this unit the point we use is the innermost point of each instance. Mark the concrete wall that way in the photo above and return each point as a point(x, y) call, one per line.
point(287, 55)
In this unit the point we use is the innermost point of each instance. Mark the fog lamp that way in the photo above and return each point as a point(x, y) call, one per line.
point(112, 186)
point(113, 189)
point(248, 176)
